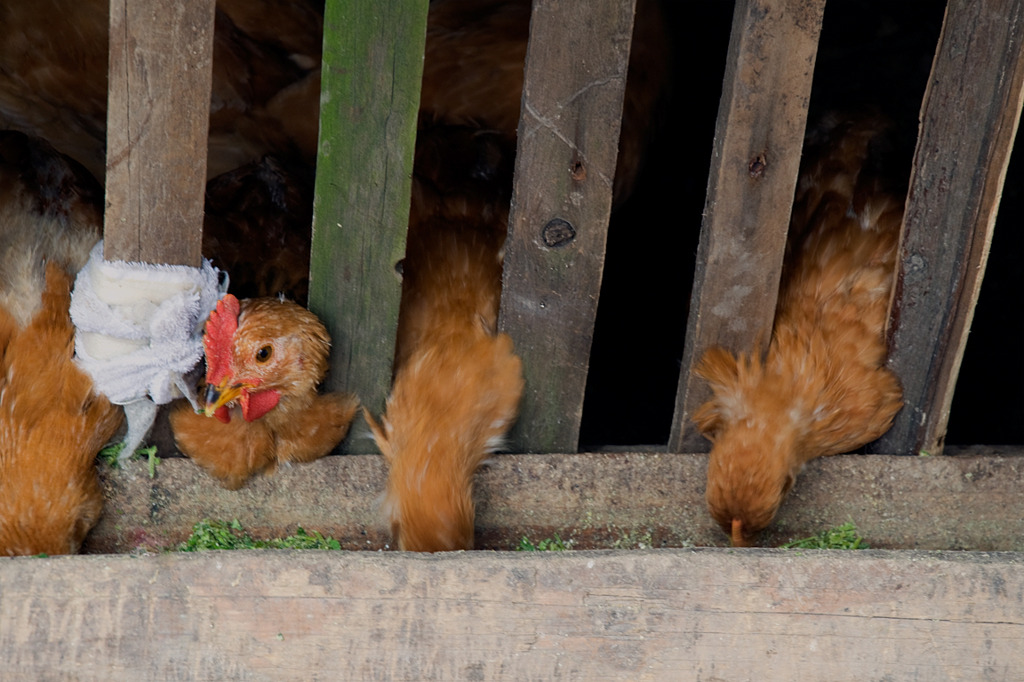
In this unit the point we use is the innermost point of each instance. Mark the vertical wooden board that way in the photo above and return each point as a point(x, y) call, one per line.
point(372, 67)
point(969, 118)
point(158, 116)
point(575, 78)
point(754, 167)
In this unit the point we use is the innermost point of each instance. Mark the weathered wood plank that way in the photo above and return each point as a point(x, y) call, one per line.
point(372, 67)
point(656, 615)
point(608, 500)
point(565, 165)
point(754, 166)
point(969, 118)
point(158, 116)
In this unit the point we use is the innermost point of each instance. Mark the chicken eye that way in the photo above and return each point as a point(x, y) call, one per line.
point(263, 354)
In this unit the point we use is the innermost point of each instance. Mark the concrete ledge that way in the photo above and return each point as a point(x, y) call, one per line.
point(612, 500)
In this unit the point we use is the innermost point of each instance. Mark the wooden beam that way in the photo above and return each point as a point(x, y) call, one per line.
point(754, 167)
point(969, 118)
point(158, 117)
point(372, 67)
point(665, 615)
point(565, 165)
point(609, 500)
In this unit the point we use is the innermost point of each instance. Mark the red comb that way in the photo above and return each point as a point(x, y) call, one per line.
point(220, 329)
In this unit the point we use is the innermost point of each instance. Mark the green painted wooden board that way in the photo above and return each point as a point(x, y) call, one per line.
point(372, 66)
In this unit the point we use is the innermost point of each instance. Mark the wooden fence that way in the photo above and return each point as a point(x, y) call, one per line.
point(703, 615)
point(567, 150)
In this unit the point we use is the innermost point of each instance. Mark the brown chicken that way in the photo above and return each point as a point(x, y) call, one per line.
point(265, 91)
point(265, 105)
point(457, 381)
point(822, 388)
point(263, 207)
point(52, 424)
point(265, 358)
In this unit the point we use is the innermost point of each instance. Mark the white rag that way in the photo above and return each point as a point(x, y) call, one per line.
point(139, 331)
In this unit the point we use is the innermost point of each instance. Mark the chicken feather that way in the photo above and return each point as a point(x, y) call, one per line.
point(822, 387)
point(457, 380)
point(52, 423)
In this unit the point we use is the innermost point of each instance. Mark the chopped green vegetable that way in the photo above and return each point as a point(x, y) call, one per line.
point(111, 455)
point(150, 454)
point(841, 537)
point(555, 544)
point(209, 534)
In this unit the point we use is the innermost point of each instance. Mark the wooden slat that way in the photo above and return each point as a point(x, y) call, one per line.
point(568, 144)
point(754, 166)
point(661, 615)
point(372, 67)
point(609, 500)
point(968, 122)
point(161, 57)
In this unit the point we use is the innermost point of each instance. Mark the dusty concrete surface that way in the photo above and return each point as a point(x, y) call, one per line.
point(609, 500)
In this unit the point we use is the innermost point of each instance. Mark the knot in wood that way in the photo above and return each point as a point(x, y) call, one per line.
point(579, 171)
point(557, 233)
point(757, 165)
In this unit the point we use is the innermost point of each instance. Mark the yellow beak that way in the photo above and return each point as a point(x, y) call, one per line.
point(219, 396)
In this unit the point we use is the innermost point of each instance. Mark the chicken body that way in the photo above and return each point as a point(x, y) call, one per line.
point(822, 387)
point(52, 424)
point(256, 227)
point(262, 376)
point(265, 89)
point(457, 381)
point(265, 105)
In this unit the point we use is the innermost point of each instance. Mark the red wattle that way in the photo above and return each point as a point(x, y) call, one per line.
point(255, 405)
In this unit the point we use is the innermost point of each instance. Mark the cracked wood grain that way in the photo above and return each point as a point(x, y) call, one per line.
point(595, 501)
point(754, 166)
point(568, 145)
point(158, 110)
point(969, 120)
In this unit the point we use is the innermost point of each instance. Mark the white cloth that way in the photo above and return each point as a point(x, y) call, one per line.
point(139, 330)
